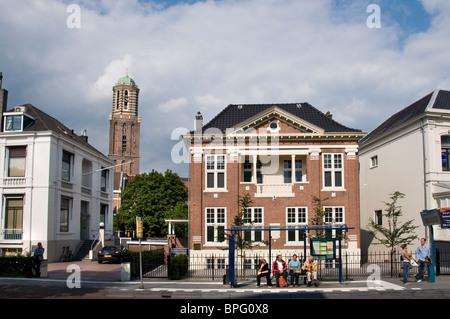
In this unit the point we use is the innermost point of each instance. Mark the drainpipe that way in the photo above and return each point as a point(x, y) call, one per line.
point(422, 129)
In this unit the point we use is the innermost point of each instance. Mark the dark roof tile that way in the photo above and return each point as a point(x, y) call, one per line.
point(234, 114)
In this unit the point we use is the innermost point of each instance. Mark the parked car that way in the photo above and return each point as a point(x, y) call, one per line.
point(110, 253)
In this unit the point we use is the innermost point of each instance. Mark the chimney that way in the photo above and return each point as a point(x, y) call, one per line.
point(84, 136)
point(198, 122)
point(3, 100)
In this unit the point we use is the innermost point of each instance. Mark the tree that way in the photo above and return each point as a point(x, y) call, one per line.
point(154, 197)
point(319, 214)
point(395, 233)
point(239, 220)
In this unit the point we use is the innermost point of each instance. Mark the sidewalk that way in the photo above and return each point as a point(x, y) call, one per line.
point(90, 271)
point(109, 274)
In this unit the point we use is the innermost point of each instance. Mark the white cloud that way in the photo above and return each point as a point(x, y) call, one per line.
point(204, 56)
point(112, 72)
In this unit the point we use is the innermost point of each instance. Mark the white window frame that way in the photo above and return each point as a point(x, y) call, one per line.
point(333, 168)
point(69, 214)
point(216, 169)
point(374, 161)
point(71, 166)
point(254, 220)
point(215, 221)
point(9, 157)
point(299, 220)
point(334, 210)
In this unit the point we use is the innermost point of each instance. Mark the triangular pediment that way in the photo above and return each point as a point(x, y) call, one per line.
point(276, 120)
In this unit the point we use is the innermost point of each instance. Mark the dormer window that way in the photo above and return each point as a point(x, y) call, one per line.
point(17, 120)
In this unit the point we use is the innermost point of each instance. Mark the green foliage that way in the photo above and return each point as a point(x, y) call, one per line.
point(318, 218)
point(15, 266)
point(154, 197)
point(243, 202)
point(395, 233)
point(178, 267)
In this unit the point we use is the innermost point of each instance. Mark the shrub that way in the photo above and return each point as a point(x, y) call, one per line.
point(178, 267)
point(15, 266)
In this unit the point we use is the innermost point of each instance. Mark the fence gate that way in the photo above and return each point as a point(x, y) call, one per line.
point(155, 266)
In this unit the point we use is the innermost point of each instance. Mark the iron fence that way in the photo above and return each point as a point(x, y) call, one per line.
point(354, 266)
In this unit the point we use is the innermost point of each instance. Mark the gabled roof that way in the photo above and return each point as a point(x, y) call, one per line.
point(438, 99)
point(234, 114)
point(44, 122)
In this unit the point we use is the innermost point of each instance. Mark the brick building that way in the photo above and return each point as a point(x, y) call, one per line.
point(281, 155)
point(124, 134)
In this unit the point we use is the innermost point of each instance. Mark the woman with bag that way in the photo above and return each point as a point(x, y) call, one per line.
point(279, 268)
point(406, 263)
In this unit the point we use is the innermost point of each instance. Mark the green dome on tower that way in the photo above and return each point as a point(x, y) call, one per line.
point(126, 80)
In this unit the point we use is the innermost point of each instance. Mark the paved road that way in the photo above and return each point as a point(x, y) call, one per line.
point(103, 282)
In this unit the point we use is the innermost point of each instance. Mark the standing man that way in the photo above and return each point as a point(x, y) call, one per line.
point(423, 251)
point(37, 260)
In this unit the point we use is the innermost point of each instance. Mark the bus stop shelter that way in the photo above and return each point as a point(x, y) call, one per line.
point(339, 229)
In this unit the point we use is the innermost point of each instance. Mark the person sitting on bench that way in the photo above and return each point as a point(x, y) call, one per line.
point(279, 268)
point(263, 271)
point(310, 266)
point(294, 270)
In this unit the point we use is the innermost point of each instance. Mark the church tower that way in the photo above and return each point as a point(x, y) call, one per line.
point(124, 127)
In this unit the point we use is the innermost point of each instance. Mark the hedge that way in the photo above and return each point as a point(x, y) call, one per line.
point(15, 266)
point(178, 267)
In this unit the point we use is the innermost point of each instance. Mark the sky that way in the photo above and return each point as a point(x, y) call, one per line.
point(359, 63)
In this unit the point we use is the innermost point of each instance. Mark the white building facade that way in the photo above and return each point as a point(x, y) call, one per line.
point(55, 187)
point(408, 153)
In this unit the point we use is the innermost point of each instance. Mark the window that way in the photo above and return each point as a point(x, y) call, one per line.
point(16, 161)
point(104, 180)
point(117, 100)
point(124, 143)
point(13, 218)
point(296, 216)
point(86, 172)
point(17, 122)
point(125, 100)
point(333, 216)
point(13, 123)
point(215, 225)
point(215, 171)
point(247, 171)
point(103, 213)
point(67, 162)
point(445, 152)
point(65, 214)
point(253, 216)
point(298, 170)
point(333, 170)
point(379, 217)
point(287, 171)
point(374, 161)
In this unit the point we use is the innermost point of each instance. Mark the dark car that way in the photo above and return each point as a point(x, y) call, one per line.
point(110, 253)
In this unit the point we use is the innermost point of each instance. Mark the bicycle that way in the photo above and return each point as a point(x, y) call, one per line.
point(66, 255)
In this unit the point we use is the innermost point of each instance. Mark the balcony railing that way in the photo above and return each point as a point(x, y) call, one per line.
point(14, 181)
point(11, 234)
point(282, 190)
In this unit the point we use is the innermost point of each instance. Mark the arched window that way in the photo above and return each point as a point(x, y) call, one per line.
point(125, 100)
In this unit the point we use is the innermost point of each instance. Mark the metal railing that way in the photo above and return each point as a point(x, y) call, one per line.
point(354, 266)
point(12, 234)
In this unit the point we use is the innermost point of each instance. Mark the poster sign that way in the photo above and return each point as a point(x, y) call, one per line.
point(431, 217)
point(445, 214)
point(139, 227)
point(323, 248)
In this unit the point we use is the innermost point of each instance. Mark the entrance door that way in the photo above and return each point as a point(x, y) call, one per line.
point(84, 222)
